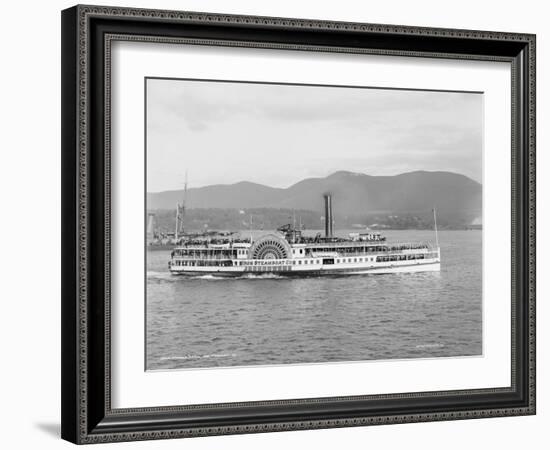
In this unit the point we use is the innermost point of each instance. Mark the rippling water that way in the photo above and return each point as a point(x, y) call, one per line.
point(206, 321)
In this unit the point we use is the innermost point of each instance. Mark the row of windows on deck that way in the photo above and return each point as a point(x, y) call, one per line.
point(306, 261)
point(211, 254)
point(346, 260)
point(203, 263)
point(368, 248)
point(405, 257)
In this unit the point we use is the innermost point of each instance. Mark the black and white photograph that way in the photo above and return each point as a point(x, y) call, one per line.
point(301, 224)
point(281, 219)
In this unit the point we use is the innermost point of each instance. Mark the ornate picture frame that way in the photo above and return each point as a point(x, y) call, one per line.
point(88, 33)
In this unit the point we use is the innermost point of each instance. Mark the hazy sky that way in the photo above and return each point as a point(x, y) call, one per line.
point(278, 135)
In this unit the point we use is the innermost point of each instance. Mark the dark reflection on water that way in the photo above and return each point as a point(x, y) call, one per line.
point(215, 322)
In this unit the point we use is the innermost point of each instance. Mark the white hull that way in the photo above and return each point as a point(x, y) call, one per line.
point(424, 267)
point(283, 267)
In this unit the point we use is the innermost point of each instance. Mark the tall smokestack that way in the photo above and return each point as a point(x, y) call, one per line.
point(328, 215)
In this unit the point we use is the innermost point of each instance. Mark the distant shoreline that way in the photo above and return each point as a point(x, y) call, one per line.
point(346, 231)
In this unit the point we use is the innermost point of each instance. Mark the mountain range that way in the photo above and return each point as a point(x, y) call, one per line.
point(352, 193)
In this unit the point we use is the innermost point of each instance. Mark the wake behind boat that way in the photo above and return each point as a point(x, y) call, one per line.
point(287, 252)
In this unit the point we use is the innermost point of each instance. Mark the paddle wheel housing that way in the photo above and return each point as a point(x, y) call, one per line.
point(270, 247)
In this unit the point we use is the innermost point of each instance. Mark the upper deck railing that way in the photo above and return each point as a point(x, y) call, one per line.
point(333, 245)
point(359, 244)
point(206, 253)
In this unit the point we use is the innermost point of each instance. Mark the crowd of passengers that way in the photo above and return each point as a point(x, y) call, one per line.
point(309, 252)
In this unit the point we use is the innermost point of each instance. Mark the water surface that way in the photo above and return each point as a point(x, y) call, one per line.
point(205, 321)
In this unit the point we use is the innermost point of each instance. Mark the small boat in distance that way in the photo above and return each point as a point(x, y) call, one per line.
point(287, 252)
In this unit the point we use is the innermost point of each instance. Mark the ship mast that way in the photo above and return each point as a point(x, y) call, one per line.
point(435, 227)
point(177, 221)
point(180, 211)
point(185, 190)
point(293, 226)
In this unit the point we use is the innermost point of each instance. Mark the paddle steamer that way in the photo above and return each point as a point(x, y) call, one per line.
point(287, 252)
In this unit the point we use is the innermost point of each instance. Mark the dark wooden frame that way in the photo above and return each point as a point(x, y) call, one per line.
point(87, 32)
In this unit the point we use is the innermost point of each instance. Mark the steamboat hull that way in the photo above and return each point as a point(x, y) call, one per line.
point(425, 266)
